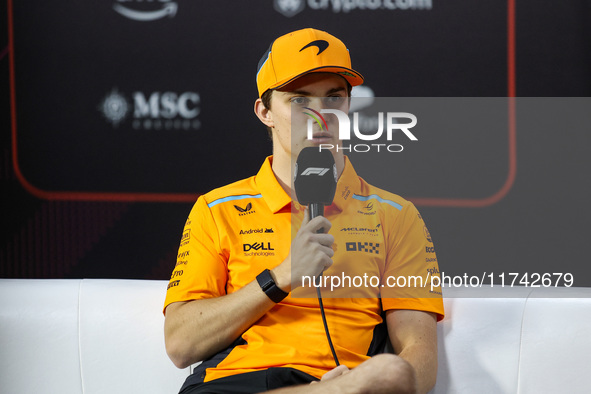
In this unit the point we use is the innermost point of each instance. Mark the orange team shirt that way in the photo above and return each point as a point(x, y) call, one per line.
point(235, 232)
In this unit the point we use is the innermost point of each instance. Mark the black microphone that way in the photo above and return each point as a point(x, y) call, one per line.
point(315, 179)
point(315, 182)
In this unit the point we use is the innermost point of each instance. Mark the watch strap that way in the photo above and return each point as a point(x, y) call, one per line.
point(269, 286)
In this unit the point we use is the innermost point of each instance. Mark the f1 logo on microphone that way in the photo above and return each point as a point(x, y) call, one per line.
point(315, 171)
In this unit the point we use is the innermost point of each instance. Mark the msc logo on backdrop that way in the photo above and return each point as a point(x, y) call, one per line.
point(153, 111)
point(138, 10)
point(114, 107)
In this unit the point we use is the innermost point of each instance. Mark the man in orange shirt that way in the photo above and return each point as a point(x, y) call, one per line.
point(229, 303)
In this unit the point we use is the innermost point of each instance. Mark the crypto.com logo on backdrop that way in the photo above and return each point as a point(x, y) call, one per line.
point(291, 8)
point(393, 122)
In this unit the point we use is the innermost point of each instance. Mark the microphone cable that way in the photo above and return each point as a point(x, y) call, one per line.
point(334, 354)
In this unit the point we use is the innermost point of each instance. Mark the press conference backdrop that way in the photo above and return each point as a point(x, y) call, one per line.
point(118, 114)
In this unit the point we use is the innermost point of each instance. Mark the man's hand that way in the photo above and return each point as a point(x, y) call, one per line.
point(310, 254)
point(384, 373)
point(334, 373)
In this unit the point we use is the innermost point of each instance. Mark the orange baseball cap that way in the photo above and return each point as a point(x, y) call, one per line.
point(302, 52)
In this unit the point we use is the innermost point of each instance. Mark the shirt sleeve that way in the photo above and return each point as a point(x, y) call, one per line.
point(411, 265)
point(201, 269)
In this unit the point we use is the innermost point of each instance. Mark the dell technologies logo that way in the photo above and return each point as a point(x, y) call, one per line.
point(258, 249)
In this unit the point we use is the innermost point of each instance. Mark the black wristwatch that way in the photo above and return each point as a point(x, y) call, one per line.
point(270, 287)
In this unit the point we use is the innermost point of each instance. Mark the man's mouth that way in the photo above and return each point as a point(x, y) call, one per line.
point(321, 137)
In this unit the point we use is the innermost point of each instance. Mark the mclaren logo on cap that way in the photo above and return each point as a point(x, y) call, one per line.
point(321, 44)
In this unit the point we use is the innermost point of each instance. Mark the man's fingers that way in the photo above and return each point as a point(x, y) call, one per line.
point(327, 249)
point(335, 372)
point(319, 223)
point(316, 224)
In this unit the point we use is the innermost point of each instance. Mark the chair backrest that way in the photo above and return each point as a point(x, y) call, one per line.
point(84, 336)
point(106, 336)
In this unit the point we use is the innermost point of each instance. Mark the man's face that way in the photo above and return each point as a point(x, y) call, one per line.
point(309, 93)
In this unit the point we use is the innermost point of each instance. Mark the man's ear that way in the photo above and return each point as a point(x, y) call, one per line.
point(263, 113)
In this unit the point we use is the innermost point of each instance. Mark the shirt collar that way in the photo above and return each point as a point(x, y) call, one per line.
point(347, 185)
point(274, 195)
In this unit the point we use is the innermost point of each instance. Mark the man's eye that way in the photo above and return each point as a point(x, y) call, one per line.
point(299, 100)
point(334, 100)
